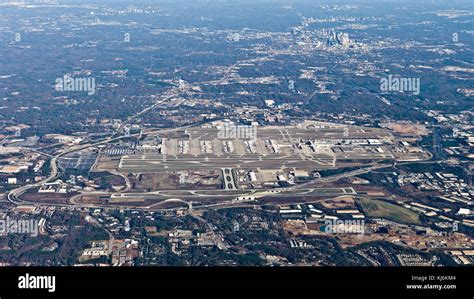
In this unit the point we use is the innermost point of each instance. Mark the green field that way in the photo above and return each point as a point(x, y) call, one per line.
point(381, 209)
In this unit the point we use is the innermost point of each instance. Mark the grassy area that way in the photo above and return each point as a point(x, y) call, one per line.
point(381, 209)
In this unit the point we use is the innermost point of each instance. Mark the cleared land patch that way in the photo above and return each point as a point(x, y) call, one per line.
point(381, 209)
